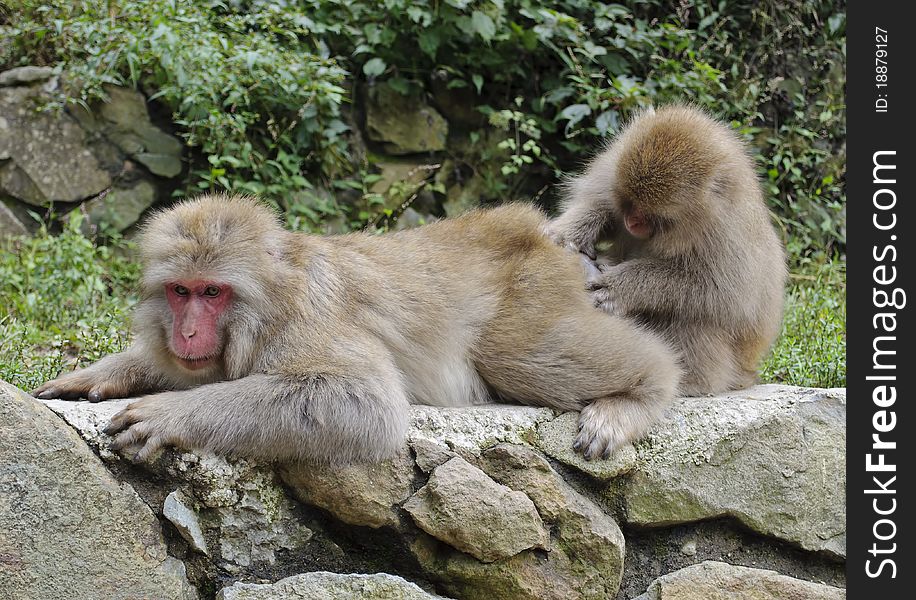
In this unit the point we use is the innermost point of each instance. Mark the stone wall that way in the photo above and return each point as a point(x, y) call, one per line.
point(743, 491)
point(108, 160)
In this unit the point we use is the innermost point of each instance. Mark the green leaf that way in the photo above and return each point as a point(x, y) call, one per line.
point(575, 113)
point(400, 85)
point(478, 81)
point(429, 42)
point(483, 25)
point(374, 67)
point(607, 122)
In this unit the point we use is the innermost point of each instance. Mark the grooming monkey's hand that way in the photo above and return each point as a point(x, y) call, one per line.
point(571, 239)
point(601, 288)
point(147, 425)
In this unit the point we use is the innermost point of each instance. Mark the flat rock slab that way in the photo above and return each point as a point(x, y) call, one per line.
point(469, 430)
point(712, 580)
point(322, 585)
point(68, 529)
point(773, 457)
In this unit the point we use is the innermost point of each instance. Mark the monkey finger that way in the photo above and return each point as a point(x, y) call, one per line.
point(152, 446)
point(57, 392)
point(137, 434)
point(121, 421)
point(104, 391)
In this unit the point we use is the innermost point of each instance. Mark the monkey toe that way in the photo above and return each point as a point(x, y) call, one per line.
point(599, 433)
point(152, 447)
point(43, 394)
point(120, 422)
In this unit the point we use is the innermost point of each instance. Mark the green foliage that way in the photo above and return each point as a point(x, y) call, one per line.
point(259, 87)
point(811, 351)
point(64, 302)
point(261, 104)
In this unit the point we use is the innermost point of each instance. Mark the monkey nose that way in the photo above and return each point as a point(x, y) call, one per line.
point(189, 334)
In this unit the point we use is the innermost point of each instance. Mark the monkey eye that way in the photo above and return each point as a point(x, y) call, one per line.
point(212, 291)
point(180, 290)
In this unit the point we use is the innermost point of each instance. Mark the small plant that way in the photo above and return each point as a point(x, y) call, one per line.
point(65, 303)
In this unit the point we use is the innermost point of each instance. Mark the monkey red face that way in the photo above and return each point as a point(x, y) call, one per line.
point(638, 223)
point(196, 308)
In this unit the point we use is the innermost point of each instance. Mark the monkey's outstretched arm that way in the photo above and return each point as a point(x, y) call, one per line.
point(660, 287)
point(317, 417)
point(588, 216)
point(121, 375)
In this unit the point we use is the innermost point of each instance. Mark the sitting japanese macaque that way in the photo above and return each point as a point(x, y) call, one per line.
point(255, 341)
point(693, 253)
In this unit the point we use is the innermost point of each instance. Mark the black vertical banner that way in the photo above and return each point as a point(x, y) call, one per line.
point(881, 206)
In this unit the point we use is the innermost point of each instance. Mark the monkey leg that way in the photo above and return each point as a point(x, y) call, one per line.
point(618, 374)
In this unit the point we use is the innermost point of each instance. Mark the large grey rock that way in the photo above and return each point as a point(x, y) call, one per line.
point(464, 508)
point(322, 585)
point(25, 75)
point(712, 580)
point(703, 461)
point(772, 457)
point(245, 515)
point(127, 124)
point(404, 124)
point(122, 206)
point(49, 159)
point(68, 529)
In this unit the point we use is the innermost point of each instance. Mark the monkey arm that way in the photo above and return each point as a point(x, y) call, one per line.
point(121, 375)
point(660, 287)
point(316, 417)
point(579, 227)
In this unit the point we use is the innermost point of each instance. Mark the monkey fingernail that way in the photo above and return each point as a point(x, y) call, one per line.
point(95, 396)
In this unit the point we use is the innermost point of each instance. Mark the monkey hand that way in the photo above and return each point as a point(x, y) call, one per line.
point(601, 289)
point(147, 426)
point(571, 239)
point(91, 383)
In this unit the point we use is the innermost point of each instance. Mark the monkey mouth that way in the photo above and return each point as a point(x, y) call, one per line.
point(193, 363)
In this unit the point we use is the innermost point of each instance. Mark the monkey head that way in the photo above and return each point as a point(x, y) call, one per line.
point(208, 284)
point(664, 171)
